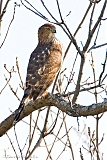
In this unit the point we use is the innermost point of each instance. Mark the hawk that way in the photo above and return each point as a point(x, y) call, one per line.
point(44, 63)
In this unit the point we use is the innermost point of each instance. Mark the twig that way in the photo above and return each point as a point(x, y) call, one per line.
point(94, 28)
point(12, 146)
point(61, 152)
point(54, 124)
point(55, 138)
point(18, 143)
point(97, 33)
point(95, 47)
point(10, 76)
point(25, 143)
point(35, 12)
point(71, 74)
point(59, 11)
point(100, 77)
point(81, 155)
point(90, 24)
point(50, 157)
point(103, 19)
point(33, 133)
point(70, 145)
point(6, 83)
point(17, 65)
point(49, 12)
point(81, 90)
point(77, 89)
point(2, 12)
point(14, 92)
point(9, 25)
point(73, 40)
point(42, 134)
point(95, 38)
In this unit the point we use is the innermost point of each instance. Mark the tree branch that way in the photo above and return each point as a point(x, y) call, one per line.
point(2, 12)
point(62, 103)
point(78, 81)
point(94, 28)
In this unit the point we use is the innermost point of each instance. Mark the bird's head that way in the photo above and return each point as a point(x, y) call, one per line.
point(46, 33)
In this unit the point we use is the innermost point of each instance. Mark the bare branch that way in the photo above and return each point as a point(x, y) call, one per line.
point(49, 12)
point(12, 146)
point(2, 12)
point(84, 17)
point(91, 20)
point(78, 81)
point(35, 12)
point(94, 28)
point(18, 143)
point(100, 81)
point(81, 90)
point(73, 40)
point(98, 46)
point(9, 25)
point(59, 11)
point(17, 65)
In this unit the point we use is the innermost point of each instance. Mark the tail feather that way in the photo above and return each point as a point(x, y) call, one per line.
point(20, 109)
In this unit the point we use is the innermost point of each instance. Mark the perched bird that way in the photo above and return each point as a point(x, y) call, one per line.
point(44, 63)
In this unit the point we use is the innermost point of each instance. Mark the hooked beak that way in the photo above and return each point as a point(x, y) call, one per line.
point(54, 31)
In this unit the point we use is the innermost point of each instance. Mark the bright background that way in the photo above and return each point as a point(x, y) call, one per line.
point(21, 41)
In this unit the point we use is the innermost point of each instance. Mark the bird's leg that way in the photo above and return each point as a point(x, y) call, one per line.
point(44, 94)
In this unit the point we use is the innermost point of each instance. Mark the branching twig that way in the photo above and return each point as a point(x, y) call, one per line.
point(49, 12)
point(12, 146)
point(9, 25)
point(84, 17)
point(94, 28)
point(71, 74)
point(69, 141)
point(17, 65)
point(35, 12)
point(33, 134)
point(81, 90)
point(6, 83)
point(95, 47)
point(55, 138)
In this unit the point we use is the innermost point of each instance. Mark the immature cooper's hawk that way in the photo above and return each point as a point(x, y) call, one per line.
point(44, 63)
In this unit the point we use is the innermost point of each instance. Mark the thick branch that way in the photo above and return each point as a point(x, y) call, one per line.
point(61, 103)
point(79, 80)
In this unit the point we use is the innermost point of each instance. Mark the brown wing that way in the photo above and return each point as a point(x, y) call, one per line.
point(43, 65)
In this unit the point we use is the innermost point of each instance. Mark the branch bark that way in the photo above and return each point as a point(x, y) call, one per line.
point(57, 100)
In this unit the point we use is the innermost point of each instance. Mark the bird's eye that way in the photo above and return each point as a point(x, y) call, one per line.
point(48, 29)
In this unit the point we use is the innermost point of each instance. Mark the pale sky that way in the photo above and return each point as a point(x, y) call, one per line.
point(22, 40)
